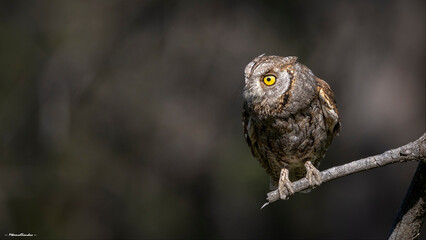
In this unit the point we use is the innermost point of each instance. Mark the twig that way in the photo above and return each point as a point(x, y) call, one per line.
point(412, 151)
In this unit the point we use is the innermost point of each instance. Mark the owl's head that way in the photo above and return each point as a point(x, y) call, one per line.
point(278, 85)
point(268, 78)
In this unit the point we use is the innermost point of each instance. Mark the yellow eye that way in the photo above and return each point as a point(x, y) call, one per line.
point(269, 80)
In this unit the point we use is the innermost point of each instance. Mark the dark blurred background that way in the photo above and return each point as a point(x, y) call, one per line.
point(122, 119)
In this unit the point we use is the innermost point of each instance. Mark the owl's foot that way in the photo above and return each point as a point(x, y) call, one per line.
point(284, 184)
point(312, 174)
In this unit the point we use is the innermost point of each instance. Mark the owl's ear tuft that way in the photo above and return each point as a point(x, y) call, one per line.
point(249, 66)
point(290, 60)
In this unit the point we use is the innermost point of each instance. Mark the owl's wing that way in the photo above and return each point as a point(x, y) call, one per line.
point(251, 138)
point(329, 107)
point(249, 132)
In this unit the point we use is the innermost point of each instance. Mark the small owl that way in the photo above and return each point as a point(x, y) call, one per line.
point(290, 118)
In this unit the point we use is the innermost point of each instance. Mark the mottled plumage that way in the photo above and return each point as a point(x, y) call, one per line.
point(290, 118)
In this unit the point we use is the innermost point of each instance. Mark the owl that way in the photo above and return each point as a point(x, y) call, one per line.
point(290, 118)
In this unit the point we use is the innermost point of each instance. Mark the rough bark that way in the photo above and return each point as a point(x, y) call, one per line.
point(411, 214)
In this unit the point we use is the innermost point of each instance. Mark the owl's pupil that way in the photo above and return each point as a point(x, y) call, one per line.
point(268, 79)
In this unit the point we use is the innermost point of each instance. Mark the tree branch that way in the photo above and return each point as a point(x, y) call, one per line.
point(412, 151)
point(410, 216)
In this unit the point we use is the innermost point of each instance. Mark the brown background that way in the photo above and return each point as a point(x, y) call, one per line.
point(122, 119)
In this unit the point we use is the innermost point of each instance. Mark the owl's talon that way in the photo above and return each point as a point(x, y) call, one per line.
point(285, 185)
point(312, 174)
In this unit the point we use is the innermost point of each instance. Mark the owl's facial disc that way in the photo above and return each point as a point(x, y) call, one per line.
point(278, 84)
point(266, 80)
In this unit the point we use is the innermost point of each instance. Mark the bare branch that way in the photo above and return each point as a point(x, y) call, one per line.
point(412, 151)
